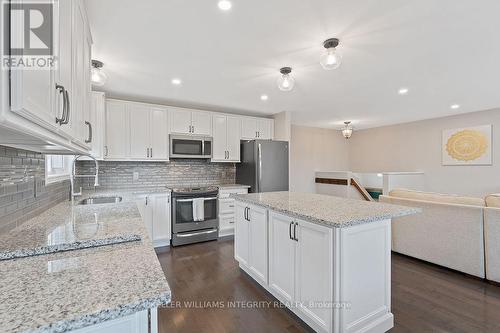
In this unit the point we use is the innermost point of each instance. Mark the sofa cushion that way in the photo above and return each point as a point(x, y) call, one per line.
point(493, 200)
point(437, 197)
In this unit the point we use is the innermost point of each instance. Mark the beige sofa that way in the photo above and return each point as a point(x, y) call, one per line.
point(448, 232)
point(492, 237)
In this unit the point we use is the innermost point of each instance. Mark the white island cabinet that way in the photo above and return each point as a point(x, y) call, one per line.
point(328, 259)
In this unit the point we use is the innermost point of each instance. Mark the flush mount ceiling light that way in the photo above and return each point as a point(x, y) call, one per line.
point(331, 57)
point(225, 5)
point(98, 77)
point(264, 97)
point(176, 82)
point(347, 129)
point(403, 91)
point(455, 106)
point(286, 81)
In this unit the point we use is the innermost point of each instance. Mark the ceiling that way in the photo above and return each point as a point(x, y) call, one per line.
point(445, 52)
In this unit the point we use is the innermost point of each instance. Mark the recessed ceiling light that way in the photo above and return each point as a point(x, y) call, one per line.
point(225, 5)
point(264, 97)
point(403, 91)
point(455, 106)
point(176, 81)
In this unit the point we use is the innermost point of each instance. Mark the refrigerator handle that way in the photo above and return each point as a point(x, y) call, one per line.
point(259, 167)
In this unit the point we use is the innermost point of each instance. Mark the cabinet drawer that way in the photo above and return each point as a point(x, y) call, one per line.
point(225, 193)
point(226, 221)
point(226, 206)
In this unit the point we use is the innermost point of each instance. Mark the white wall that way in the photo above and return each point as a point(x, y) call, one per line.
point(315, 149)
point(417, 147)
point(282, 126)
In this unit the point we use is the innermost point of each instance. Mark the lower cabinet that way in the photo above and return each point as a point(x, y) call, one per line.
point(227, 210)
point(145, 321)
point(155, 211)
point(251, 240)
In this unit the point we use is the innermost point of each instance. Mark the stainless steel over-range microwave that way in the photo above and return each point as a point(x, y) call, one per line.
point(189, 146)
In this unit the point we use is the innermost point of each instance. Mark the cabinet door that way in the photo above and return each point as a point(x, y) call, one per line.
point(63, 75)
point(32, 91)
point(241, 237)
point(146, 210)
point(281, 257)
point(97, 119)
point(76, 92)
point(233, 138)
point(264, 127)
point(161, 219)
point(258, 243)
point(139, 130)
point(202, 123)
point(314, 274)
point(159, 134)
point(117, 130)
point(180, 121)
point(219, 151)
point(248, 128)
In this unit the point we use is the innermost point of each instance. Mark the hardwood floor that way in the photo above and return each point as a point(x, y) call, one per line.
point(205, 279)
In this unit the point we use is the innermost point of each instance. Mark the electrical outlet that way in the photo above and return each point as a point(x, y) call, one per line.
point(135, 176)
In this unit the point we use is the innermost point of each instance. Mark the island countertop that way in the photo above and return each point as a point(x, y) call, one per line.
point(63, 291)
point(331, 211)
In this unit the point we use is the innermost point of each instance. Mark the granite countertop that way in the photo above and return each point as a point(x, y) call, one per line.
point(69, 227)
point(331, 211)
point(231, 186)
point(63, 291)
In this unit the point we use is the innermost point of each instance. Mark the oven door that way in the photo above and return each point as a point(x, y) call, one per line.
point(182, 213)
point(182, 146)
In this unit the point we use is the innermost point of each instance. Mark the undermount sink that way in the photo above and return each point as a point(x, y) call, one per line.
point(100, 200)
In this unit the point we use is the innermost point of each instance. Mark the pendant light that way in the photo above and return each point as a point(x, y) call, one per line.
point(331, 58)
point(347, 129)
point(98, 77)
point(286, 81)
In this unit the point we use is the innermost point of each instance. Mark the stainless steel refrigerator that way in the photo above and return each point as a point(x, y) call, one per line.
point(264, 165)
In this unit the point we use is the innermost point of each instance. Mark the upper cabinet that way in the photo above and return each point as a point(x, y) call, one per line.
point(189, 122)
point(136, 131)
point(257, 128)
point(97, 121)
point(53, 104)
point(226, 138)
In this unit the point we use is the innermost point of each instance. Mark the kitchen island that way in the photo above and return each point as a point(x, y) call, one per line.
point(327, 259)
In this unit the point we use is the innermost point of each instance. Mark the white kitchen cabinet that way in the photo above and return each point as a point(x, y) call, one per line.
point(281, 257)
point(242, 235)
point(251, 240)
point(155, 212)
point(49, 105)
point(256, 128)
point(139, 322)
point(301, 267)
point(98, 121)
point(226, 138)
point(117, 130)
point(184, 121)
point(227, 209)
point(139, 130)
point(144, 132)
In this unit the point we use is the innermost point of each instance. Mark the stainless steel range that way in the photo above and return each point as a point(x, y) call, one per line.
point(194, 215)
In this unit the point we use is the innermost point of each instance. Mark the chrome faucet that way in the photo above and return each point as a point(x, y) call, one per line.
point(74, 175)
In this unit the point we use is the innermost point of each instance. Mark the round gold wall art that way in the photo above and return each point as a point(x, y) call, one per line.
point(467, 145)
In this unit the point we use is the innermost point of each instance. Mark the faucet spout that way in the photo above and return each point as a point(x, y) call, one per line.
point(73, 175)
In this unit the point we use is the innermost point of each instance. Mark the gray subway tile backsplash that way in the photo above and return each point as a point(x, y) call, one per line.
point(19, 171)
point(185, 172)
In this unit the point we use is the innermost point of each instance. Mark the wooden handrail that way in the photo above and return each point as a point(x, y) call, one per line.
point(361, 190)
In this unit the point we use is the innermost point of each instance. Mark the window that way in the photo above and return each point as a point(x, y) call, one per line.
point(57, 168)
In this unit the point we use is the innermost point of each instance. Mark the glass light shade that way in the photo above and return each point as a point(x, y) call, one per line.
point(347, 130)
point(286, 82)
point(331, 59)
point(98, 77)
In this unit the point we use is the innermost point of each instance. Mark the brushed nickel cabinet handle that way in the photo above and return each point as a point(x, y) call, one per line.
point(68, 109)
point(89, 140)
point(61, 91)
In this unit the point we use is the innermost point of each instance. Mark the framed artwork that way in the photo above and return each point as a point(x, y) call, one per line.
point(467, 146)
